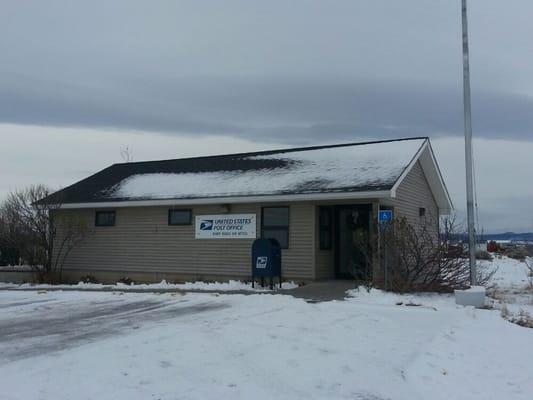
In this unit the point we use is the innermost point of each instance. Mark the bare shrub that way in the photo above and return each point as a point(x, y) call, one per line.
point(529, 265)
point(418, 258)
point(523, 318)
point(126, 154)
point(89, 279)
point(28, 225)
point(504, 312)
point(483, 255)
point(67, 232)
point(126, 281)
point(517, 253)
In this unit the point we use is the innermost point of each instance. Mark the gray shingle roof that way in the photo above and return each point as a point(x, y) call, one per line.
point(350, 167)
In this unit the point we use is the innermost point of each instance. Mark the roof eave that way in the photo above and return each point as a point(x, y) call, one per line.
point(372, 194)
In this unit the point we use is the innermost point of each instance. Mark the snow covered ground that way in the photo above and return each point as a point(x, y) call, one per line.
point(512, 289)
point(100, 345)
point(115, 345)
point(510, 274)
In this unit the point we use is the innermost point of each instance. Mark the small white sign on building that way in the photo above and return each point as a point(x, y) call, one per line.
point(261, 262)
point(225, 226)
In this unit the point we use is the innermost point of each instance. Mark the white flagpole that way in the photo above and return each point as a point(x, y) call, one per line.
point(468, 149)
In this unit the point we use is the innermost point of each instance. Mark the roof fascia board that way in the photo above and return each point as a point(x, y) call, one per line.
point(231, 200)
point(441, 179)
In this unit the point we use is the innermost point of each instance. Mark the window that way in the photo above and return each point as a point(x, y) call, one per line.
point(105, 218)
point(275, 225)
point(325, 224)
point(179, 217)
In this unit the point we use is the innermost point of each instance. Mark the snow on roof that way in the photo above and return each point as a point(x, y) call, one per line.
point(357, 167)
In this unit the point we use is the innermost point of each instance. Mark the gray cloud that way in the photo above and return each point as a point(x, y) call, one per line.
point(291, 110)
point(292, 71)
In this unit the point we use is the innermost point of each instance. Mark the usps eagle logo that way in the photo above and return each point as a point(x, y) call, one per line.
point(206, 225)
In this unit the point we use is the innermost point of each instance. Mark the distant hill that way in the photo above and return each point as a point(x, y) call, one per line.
point(528, 236)
point(509, 236)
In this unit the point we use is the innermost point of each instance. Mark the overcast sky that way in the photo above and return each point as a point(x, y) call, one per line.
point(79, 80)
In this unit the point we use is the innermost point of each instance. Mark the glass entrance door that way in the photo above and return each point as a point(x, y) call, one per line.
point(352, 241)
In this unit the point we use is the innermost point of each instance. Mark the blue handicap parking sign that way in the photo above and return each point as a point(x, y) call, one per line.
point(385, 216)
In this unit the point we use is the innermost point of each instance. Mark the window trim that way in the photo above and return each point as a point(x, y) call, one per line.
point(97, 213)
point(328, 228)
point(188, 210)
point(277, 227)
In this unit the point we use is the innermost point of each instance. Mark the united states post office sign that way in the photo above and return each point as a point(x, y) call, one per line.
point(225, 226)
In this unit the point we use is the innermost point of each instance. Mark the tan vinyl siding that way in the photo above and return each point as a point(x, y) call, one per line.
point(412, 194)
point(299, 259)
point(141, 241)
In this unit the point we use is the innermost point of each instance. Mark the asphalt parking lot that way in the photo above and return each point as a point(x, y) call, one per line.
point(40, 325)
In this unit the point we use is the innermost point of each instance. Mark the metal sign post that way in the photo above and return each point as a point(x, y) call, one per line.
point(385, 219)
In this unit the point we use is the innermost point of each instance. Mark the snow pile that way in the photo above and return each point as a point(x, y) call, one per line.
point(378, 297)
point(231, 285)
point(200, 346)
point(16, 268)
point(341, 168)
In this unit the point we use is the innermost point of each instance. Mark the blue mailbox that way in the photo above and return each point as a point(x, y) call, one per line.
point(266, 261)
